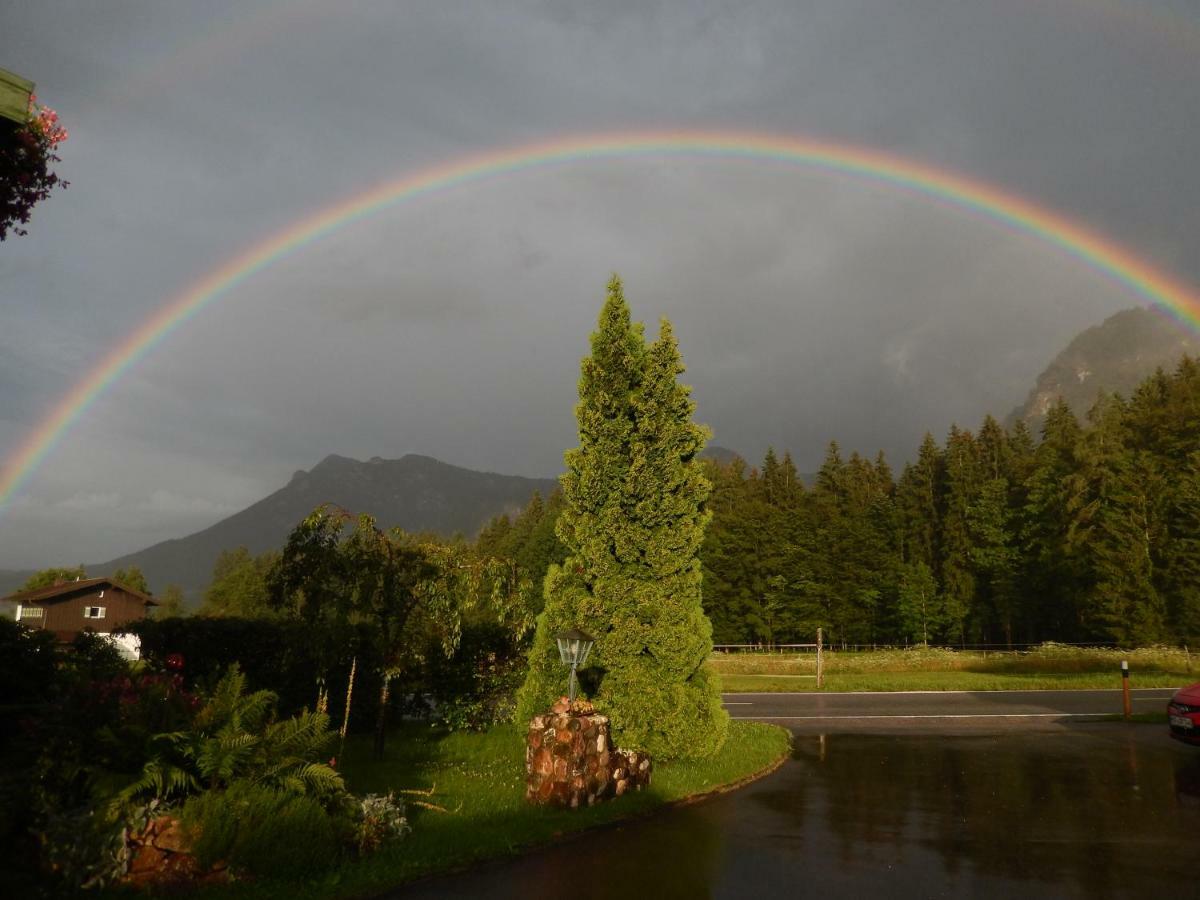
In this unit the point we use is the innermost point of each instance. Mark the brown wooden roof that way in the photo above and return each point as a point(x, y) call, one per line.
point(41, 595)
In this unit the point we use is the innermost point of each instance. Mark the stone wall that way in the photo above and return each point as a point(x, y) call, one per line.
point(570, 760)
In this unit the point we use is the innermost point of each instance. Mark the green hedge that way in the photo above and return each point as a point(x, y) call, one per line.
point(473, 688)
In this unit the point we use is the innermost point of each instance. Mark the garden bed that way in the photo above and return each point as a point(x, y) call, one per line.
point(480, 779)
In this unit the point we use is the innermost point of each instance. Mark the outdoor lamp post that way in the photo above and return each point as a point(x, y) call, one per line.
point(574, 647)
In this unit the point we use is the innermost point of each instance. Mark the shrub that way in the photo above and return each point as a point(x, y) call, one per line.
point(235, 736)
point(279, 656)
point(476, 687)
point(263, 831)
point(81, 848)
point(66, 731)
point(28, 669)
point(285, 657)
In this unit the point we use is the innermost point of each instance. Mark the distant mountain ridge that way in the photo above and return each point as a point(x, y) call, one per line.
point(416, 493)
point(1114, 356)
point(420, 493)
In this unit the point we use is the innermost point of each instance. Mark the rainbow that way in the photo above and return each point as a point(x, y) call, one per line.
point(949, 188)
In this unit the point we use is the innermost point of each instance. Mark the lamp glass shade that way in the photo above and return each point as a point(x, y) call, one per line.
point(574, 646)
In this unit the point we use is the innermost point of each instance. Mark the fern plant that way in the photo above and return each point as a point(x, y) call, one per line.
point(235, 736)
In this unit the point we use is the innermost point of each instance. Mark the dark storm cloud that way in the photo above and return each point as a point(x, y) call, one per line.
point(808, 306)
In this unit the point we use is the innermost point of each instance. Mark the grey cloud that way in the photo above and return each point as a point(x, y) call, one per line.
point(808, 306)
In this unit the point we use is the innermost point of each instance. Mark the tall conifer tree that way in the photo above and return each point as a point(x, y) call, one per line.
point(632, 523)
point(1056, 575)
point(958, 570)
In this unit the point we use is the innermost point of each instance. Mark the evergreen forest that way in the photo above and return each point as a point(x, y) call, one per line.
point(1088, 532)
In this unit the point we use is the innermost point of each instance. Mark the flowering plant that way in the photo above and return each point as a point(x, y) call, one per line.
point(26, 154)
point(381, 819)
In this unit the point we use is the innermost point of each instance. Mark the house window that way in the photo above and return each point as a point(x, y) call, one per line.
point(31, 612)
point(93, 612)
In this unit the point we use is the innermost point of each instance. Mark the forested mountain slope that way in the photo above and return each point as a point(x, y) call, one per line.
point(1112, 357)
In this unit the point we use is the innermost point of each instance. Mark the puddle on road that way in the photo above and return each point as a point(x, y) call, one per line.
point(1094, 812)
point(1090, 812)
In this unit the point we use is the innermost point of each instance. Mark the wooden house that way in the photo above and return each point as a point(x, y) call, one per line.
point(100, 605)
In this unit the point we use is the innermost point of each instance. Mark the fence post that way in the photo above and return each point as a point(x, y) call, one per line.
point(820, 661)
point(1127, 704)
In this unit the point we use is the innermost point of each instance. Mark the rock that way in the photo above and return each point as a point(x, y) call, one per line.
point(170, 837)
point(160, 856)
point(570, 760)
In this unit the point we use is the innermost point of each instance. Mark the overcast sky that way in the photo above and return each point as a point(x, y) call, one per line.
point(808, 306)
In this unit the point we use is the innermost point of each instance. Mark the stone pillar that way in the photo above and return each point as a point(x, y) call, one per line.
point(570, 760)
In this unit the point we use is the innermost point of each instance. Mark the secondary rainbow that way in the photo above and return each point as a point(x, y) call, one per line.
point(955, 190)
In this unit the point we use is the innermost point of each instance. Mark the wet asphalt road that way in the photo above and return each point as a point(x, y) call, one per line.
point(1026, 798)
point(938, 711)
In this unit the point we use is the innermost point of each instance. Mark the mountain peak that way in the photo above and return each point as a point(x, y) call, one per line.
point(1112, 357)
point(334, 461)
point(417, 493)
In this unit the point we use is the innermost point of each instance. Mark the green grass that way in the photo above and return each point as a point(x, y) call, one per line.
point(1049, 667)
point(480, 778)
point(948, 681)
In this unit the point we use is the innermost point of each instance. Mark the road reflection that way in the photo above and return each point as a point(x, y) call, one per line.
point(1103, 814)
point(1095, 811)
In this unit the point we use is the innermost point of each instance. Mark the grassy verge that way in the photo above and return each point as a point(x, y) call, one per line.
point(480, 777)
point(950, 681)
point(1050, 667)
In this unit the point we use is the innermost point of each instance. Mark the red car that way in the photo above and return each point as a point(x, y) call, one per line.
point(1183, 711)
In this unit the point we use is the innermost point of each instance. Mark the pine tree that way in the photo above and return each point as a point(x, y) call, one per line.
point(957, 567)
point(727, 555)
point(791, 489)
point(1179, 566)
point(1055, 575)
point(918, 507)
point(994, 556)
point(1116, 529)
point(633, 523)
point(1019, 466)
point(826, 601)
point(493, 538)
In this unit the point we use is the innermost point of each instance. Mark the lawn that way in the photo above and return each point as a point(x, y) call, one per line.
point(1049, 667)
point(479, 778)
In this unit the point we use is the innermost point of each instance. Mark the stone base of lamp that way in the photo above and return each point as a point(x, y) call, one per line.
point(570, 761)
